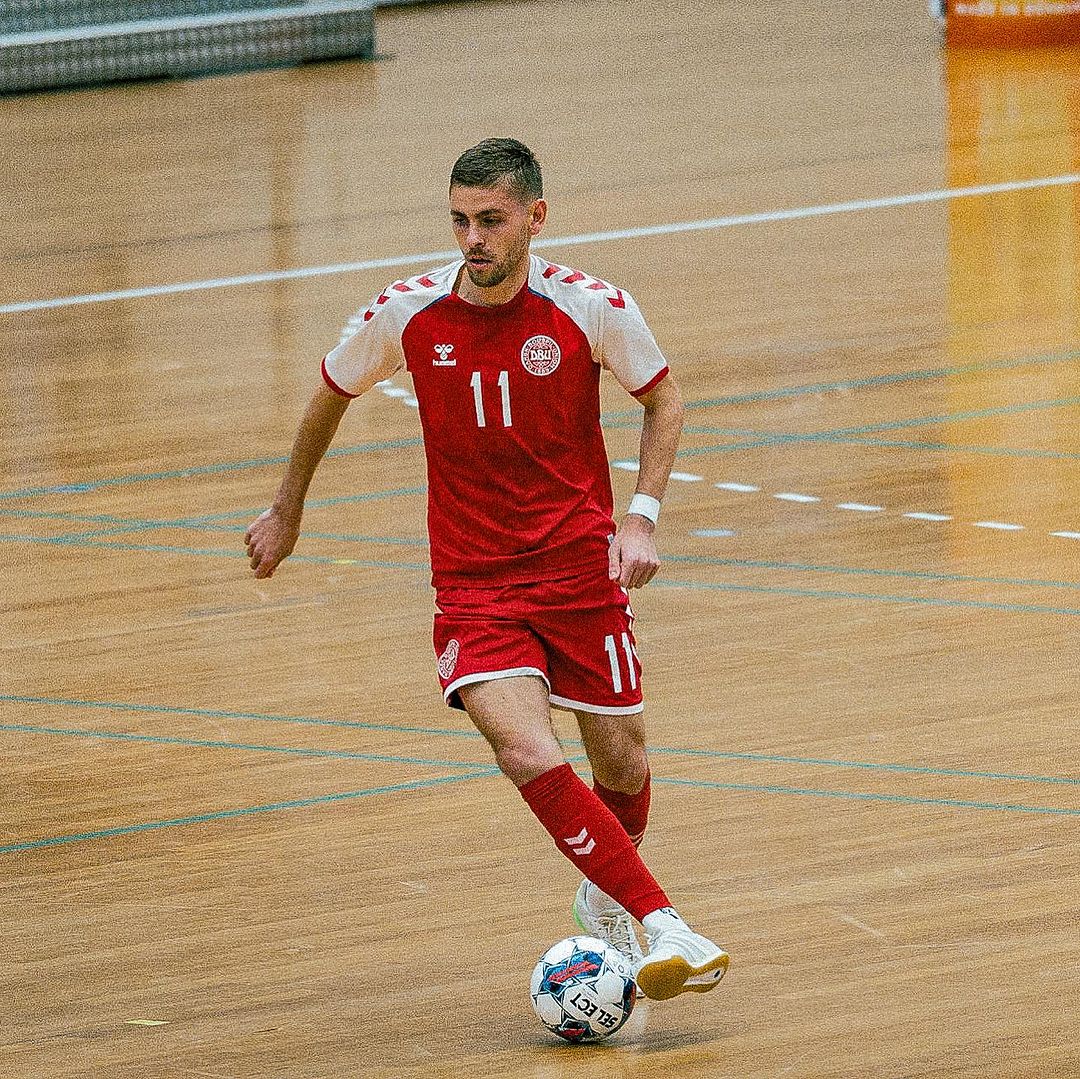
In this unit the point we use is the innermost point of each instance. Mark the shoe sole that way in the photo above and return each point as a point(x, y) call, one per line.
point(667, 978)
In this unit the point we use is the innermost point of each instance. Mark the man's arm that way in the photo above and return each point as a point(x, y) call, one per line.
point(271, 537)
point(632, 557)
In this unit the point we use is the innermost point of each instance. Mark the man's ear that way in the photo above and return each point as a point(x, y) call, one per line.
point(539, 216)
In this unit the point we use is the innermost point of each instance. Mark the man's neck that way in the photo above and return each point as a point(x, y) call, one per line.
point(495, 296)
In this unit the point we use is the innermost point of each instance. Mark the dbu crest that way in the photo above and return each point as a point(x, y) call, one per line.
point(448, 660)
point(540, 355)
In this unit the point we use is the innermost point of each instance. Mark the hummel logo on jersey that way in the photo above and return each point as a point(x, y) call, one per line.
point(578, 844)
point(444, 354)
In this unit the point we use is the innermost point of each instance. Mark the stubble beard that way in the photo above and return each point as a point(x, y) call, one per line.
point(495, 274)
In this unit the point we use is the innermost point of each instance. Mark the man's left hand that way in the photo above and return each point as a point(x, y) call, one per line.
point(632, 557)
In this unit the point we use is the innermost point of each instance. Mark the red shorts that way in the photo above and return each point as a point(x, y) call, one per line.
point(575, 634)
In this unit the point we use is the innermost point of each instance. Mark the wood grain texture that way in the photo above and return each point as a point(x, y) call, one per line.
point(239, 808)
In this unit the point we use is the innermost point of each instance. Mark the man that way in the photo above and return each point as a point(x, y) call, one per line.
point(531, 574)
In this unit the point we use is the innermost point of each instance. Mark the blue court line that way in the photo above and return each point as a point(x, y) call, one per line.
point(860, 796)
point(809, 593)
point(955, 448)
point(895, 425)
point(121, 525)
point(876, 597)
point(768, 758)
point(319, 503)
point(216, 713)
point(871, 382)
point(218, 552)
point(246, 811)
point(137, 524)
point(201, 743)
point(826, 762)
point(858, 571)
point(202, 470)
point(959, 448)
point(735, 399)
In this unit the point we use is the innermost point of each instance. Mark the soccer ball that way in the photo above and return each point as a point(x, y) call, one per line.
point(583, 989)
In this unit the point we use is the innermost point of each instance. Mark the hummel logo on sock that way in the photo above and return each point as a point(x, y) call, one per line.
point(578, 844)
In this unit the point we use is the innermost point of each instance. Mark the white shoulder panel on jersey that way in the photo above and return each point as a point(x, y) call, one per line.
point(373, 350)
point(608, 316)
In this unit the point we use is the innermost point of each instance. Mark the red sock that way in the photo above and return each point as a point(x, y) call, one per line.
point(632, 810)
point(590, 835)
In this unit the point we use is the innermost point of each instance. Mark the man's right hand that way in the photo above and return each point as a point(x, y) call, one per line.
point(270, 539)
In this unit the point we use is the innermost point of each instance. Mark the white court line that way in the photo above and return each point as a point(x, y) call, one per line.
point(1066, 535)
point(1001, 526)
point(928, 516)
point(742, 488)
point(670, 229)
point(859, 507)
point(791, 496)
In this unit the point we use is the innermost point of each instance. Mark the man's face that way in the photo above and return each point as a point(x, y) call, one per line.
point(493, 230)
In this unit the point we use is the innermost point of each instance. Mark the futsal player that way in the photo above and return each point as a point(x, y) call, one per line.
point(531, 570)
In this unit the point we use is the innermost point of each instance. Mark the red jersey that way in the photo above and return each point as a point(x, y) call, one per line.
point(509, 400)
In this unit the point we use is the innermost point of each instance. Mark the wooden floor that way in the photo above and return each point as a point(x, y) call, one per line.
point(241, 836)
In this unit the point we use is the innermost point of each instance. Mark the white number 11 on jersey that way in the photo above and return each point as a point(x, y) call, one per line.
point(613, 658)
point(478, 398)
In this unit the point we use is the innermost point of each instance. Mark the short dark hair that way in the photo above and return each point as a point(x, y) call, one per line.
point(500, 160)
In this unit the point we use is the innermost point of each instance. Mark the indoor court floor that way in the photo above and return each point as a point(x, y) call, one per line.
point(240, 835)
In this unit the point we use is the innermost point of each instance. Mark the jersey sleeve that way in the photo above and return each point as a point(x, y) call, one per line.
point(627, 347)
point(369, 355)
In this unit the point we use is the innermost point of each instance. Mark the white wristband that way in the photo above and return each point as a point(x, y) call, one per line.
point(645, 506)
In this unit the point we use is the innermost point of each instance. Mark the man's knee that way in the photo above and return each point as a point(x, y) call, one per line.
point(514, 716)
point(523, 760)
point(625, 774)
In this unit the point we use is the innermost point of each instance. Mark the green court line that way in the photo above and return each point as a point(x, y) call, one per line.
point(876, 597)
point(872, 382)
point(196, 524)
point(894, 378)
point(202, 818)
point(246, 811)
point(202, 743)
point(955, 448)
point(859, 571)
point(861, 796)
point(124, 525)
point(469, 733)
point(203, 470)
point(217, 552)
point(216, 713)
point(837, 433)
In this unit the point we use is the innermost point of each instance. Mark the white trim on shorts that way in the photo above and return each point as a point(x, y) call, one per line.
point(596, 709)
point(491, 676)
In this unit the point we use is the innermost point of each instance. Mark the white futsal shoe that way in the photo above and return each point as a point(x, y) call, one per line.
point(679, 960)
point(610, 923)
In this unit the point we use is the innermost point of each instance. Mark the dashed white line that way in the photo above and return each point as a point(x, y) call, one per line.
point(859, 507)
point(790, 496)
point(634, 466)
point(1001, 526)
point(712, 533)
point(742, 488)
point(928, 516)
point(1067, 535)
